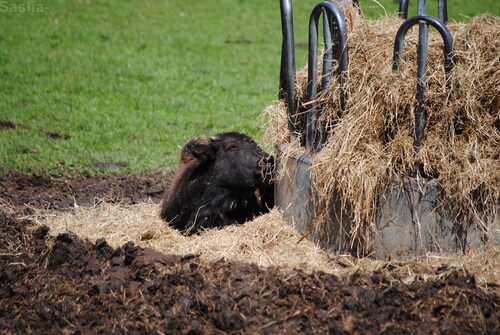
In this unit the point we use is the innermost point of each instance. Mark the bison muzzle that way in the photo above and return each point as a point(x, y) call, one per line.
point(221, 180)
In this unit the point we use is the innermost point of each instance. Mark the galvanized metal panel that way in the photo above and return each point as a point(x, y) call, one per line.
point(409, 222)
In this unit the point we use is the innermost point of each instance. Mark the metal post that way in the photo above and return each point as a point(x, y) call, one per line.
point(403, 8)
point(328, 30)
point(422, 51)
point(287, 70)
point(442, 10)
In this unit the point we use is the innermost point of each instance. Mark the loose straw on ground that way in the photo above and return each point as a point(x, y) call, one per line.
point(267, 241)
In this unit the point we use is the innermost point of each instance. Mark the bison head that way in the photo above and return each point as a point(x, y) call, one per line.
point(239, 164)
point(221, 179)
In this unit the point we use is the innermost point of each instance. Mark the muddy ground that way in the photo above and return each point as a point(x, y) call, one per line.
point(68, 285)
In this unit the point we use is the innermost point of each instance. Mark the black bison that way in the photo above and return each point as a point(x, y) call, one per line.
point(221, 180)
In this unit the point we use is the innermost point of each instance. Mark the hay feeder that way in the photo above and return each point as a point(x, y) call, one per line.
point(409, 218)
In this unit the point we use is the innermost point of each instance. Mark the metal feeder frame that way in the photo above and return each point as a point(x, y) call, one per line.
point(408, 223)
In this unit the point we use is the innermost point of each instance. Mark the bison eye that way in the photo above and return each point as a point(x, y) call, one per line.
point(232, 147)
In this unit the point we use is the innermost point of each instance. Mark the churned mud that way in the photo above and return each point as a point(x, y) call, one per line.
point(64, 284)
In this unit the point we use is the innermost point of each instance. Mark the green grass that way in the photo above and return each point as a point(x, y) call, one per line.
point(129, 82)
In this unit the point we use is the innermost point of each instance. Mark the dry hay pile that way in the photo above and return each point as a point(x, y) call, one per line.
point(267, 241)
point(372, 141)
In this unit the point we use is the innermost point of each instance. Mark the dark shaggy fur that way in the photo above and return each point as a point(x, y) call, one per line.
point(221, 180)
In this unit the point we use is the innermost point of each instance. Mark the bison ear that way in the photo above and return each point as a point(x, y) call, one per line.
point(199, 148)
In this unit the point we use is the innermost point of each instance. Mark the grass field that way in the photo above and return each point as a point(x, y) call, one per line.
point(117, 86)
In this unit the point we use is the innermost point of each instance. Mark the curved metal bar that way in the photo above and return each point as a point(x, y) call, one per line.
point(422, 62)
point(287, 70)
point(334, 15)
point(438, 25)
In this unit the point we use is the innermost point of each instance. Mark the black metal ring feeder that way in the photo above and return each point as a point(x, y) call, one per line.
point(408, 222)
